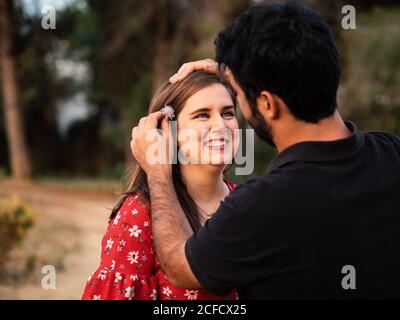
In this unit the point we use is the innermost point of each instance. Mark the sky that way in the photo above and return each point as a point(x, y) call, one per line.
point(33, 7)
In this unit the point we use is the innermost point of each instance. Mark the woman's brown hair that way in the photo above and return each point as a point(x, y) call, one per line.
point(176, 96)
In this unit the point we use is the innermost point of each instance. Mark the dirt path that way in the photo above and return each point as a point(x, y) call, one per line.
point(67, 233)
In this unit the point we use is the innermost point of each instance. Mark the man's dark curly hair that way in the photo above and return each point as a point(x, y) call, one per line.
point(287, 49)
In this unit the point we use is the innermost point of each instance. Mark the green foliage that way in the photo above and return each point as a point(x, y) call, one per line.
point(381, 46)
point(371, 90)
point(16, 218)
point(115, 172)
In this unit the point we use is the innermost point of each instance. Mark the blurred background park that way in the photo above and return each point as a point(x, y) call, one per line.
point(70, 96)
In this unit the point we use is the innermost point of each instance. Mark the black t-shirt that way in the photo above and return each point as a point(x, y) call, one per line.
point(293, 233)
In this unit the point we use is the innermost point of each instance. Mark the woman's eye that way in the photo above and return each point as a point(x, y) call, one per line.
point(201, 115)
point(228, 114)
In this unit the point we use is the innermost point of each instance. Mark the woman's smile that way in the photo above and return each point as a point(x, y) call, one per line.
point(217, 144)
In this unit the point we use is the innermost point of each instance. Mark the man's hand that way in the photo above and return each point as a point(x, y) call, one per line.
point(169, 224)
point(141, 141)
point(208, 65)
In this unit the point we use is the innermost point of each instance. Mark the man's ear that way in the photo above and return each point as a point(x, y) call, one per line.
point(268, 105)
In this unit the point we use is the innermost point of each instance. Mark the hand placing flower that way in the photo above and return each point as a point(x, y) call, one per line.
point(145, 136)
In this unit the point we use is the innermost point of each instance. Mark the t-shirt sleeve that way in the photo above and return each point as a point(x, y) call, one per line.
point(222, 254)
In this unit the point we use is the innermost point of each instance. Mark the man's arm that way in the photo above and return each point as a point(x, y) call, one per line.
point(170, 230)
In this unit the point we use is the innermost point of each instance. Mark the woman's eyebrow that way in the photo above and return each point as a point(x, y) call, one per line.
point(206, 109)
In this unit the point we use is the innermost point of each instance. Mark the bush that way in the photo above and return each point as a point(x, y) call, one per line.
point(16, 218)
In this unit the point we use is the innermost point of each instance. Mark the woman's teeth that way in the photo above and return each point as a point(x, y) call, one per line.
point(216, 143)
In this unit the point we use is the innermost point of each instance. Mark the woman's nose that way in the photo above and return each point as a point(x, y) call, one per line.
point(217, 124)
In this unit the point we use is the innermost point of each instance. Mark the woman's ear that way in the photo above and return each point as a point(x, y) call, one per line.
point(268, 105)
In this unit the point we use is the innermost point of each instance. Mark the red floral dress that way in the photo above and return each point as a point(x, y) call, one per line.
point(129, 268)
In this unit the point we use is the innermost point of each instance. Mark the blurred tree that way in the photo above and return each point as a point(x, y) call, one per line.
point(370, 91)
point(331, 11)
point(40, 88)
point(18, 151)
point(130, 47)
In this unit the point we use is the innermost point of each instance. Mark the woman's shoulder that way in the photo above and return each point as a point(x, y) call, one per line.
point(128, 234)
point(134, 205)
point(134, 209)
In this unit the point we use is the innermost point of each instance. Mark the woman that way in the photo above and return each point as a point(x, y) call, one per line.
point(205, 105)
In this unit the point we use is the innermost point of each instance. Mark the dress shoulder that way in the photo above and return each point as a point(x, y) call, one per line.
point(127, 267)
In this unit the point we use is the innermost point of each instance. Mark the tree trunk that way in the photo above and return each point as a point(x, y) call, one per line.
point(161, 47)
point(175, 37)
point(18, 153)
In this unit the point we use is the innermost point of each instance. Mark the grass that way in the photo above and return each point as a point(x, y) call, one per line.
point(82, 183)
point(3, 173)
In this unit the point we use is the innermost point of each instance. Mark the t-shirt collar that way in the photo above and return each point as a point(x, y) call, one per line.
point(321, 150)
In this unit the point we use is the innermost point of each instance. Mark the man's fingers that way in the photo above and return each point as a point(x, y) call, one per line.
point(184, 71)
point(165, 127)
point(212, 65)
point(187, 68)
point(183, 67)
point(132, 147)
point(133, 131)
point(153, 119)
point(140, 144)
point(141, 122)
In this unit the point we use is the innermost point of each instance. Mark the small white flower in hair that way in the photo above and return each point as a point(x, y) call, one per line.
point(168, 112)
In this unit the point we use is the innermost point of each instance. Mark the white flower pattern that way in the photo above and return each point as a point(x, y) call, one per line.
point(134, 277)
point(102, 274)
point(118, 277)
point(133, 256)
point(130, 292)
point(191, 294)
point(153, 295)
point(109, 243)
point(117, 218)
point(167, 291)
point(135, 231)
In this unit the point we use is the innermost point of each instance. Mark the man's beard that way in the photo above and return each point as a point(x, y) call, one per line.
point(262, 128)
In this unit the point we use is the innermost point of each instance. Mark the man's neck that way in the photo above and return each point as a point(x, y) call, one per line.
point(328, 129)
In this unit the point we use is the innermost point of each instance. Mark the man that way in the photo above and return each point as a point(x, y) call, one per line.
point(324, 222)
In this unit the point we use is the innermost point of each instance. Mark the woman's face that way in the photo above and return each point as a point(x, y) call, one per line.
point(206, 127)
